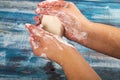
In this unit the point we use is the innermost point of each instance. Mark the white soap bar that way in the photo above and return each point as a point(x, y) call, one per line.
point(52, 24)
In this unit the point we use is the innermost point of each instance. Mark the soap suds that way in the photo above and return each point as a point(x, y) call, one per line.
point(83, 35)
point(62, 41)
point(46, 37)
point(45, 48)
point(58, 46)
point(36, 32)
point(43, 55)
point(38, 10)
point(35, 45)
point(28, 25)
point(31, 38)
point(51, 0)
point(66, 5)
point(79, 35)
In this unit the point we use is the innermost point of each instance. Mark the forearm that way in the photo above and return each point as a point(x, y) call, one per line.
point(76, 68)
point(74, 65)
point(102, 38)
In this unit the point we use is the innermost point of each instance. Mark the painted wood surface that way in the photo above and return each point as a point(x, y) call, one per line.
point(16, 58)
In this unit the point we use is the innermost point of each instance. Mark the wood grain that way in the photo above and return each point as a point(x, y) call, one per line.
point(16, 58)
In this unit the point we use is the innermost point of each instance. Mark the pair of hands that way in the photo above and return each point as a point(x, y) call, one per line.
point(48, 45)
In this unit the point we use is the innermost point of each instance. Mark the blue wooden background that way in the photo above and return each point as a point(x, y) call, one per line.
point(17, 61)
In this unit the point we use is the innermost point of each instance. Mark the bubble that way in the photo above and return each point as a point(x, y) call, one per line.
point(43, 55)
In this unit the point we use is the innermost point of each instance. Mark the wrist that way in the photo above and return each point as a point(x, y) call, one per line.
point(82, 32)
point(64, 56)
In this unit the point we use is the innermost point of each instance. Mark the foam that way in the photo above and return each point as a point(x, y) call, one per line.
point(51, 0)
point(45, 48)
point(62, 41)
point(36, 32)
point(43, 55)
point(60, 47)
point(79, 35)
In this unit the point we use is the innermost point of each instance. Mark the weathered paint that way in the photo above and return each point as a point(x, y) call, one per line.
point(16, 58)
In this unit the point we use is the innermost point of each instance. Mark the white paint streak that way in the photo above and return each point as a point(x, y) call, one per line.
point(113, 14)
point(2, 54)
point(109, 65)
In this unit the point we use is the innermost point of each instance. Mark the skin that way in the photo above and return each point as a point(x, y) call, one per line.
point(100, 37)
point(72, 62)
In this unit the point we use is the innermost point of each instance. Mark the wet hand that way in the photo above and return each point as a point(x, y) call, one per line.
point(47, 45)
point(72, 19)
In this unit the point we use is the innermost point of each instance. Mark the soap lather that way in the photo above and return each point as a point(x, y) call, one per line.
point(52, 24)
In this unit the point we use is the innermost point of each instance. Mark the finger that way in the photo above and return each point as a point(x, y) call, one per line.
point(54, 5)
point(29, 27)
point(38, 19)
point(37, 30)
point(36, 42)
point(35, 48)
point(32, 42)
point(33, 29)
point(42, 10)
point(43, 4)
point(45, 11)
point(39, 34)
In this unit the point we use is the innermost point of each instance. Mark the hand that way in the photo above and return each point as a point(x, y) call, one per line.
point(72, 19)
point(47, 45)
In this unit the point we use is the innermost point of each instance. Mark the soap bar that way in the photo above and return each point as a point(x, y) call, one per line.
point(52, 24)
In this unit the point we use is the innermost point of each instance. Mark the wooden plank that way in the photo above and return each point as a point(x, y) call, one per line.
point(16, 58)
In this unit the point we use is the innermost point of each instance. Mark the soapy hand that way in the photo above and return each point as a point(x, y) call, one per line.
point(47, 45)
point(70, 16)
